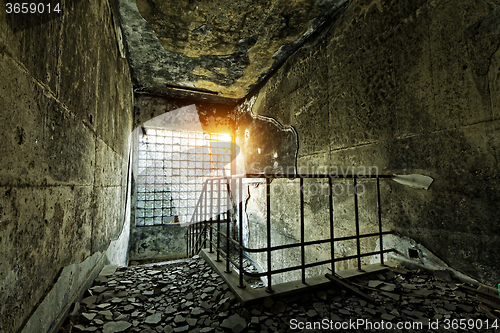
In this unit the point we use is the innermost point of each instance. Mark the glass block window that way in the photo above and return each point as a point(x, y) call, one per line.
point(173, 167)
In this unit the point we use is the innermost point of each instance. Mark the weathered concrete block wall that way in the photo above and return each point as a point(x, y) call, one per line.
point(162, 242)
point(65, 118)
point(408, 87)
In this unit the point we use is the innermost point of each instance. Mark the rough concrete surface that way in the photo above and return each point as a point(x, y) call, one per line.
point(65, 118)
point(158, 242)
point(407, 87)
point(266, 145)
point(223, 48)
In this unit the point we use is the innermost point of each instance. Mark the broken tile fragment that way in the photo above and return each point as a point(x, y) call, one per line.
point(116, 326)
point(154, 318)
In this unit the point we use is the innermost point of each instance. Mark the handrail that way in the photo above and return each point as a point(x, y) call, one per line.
point(203, 222)
point(297, 175)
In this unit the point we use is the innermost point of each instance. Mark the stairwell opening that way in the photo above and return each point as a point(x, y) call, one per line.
point(173, 156)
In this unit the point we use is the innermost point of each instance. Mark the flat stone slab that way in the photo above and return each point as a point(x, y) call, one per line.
point(116, 326)
point(154, 318)
point(108, 270)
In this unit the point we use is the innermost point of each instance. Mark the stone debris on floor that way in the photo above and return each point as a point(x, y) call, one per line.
point(248, 267)
point(187, 296)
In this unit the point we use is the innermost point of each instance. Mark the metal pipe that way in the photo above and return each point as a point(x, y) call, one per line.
point(205, 221)
point(187, 240)
point(380, 222)
point(308, 243)
point(268, 229)
point(211, 212)
point(218, 221)
point(240, 217)
point(228, 270)
point(195, 230)
point(200, 216)
point(332, 233)
point(313, 264)
point(302, 231)
point(356, 213)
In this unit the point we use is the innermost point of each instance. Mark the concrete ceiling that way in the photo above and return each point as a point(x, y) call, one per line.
point(216, 49)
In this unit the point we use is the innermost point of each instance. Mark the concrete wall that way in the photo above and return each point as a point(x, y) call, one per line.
point(65, 118)
point(408, 87)
point(162, 242)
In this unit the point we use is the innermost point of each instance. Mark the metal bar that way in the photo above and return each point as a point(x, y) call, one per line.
point(294, 176)
point(332, 233)
point(240, 217)
point(190, 230)
point(211, 212)
point(198, 224)
point(356, 213)
point(218, 222)
point(349, 286)
point(187, 241)
point(294, 268)
point(198, 215)
point(380, 222)
point(319, 263)
point(188, 246)
point(194, 231)
point(302, 240)
point(361, 236)
point(199, 240)
point(196, 239)
point(227, 229)
point(205, 219)
point(308, 243)
point(268, 229)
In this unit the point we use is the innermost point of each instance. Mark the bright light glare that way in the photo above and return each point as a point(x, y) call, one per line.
point(225, 137)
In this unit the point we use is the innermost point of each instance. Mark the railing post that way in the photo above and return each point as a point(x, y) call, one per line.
point(187, 240)
point(198, 213)
point(356, 213)
point(302, 231)
point(240, 217)
point(218, 222)
point(228, 270)
point(380, 222)
point(198, 229)
point(211, 212)
point(268, 228)
point(203, 238)
point(332, 232)
point(195, 229)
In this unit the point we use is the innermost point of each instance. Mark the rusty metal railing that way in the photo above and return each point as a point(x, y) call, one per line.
point(212, 220)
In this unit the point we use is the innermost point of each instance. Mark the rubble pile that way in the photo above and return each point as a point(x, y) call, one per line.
point(188, 296)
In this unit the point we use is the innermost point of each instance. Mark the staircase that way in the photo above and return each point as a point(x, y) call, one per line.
point(218, 227)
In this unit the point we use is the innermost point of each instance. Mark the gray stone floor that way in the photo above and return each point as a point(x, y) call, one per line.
point(188, 296)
